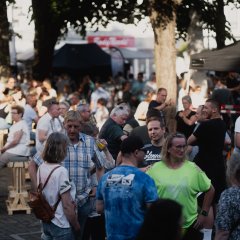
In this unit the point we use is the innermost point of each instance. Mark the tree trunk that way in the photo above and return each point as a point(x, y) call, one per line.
point(220, 22)
point(4, 41)
point(165, 59)
point(195, 34)
point(165, 64)
point(47, 31)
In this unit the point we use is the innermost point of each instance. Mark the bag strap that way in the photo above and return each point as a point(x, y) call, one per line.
point(59, 197)
point(56, 204)
point(44, 185)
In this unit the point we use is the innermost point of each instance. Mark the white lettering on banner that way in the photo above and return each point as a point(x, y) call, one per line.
point(111, 41)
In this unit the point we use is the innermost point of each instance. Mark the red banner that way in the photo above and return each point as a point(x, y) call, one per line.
point(112, 41)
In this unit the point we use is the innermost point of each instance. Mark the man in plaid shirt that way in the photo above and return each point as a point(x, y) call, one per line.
point(82, 156)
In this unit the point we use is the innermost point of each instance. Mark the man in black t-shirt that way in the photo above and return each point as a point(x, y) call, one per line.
point(210, 137)
point(156, 131)
point(160, 103)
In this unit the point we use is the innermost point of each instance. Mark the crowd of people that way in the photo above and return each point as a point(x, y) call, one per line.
point(124, 174)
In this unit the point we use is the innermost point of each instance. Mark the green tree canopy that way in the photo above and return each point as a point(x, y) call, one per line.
point(52, 19)
point(5, 36)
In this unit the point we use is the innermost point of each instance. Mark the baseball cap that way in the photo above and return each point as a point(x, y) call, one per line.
point(130, 144)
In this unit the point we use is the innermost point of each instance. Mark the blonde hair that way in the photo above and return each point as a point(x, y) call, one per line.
point(168, 144)
point(72, 116)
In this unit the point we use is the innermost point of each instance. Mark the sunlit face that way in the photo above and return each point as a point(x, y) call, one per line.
point(155, 131)
point(73, 129)
point(74, 100)
point(32, 101)
point(46, 85)
point(161, 96)
point(178, 148)
point(85, 114)
point(11, 83)
point(54, 110)
point(62, 109)
point(15, 115)
point(201, 116)
point(186, 104)
point(208, 110)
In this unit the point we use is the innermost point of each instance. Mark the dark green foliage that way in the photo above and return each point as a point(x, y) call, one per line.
point(211, 16)
point(53, 17)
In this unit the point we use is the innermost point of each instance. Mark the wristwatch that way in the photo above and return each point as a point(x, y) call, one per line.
point(204, 213)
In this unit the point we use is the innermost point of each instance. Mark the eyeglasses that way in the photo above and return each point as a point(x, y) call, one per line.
point(180, 147)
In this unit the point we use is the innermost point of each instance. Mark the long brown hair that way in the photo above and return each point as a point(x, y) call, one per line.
point(55, 149)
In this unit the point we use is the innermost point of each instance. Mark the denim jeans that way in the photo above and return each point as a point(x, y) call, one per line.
point(53, 232)
point(83, 212)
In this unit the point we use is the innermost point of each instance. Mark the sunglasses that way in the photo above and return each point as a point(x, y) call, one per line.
point(144, 150)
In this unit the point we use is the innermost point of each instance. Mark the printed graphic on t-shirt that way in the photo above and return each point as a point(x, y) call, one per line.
point(153, 154)
point(181, 188)
point(120, 180)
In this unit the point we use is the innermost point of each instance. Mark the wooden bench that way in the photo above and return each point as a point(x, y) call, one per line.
point(18, 191)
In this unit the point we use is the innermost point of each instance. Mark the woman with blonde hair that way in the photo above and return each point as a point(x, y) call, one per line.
point(181, 180)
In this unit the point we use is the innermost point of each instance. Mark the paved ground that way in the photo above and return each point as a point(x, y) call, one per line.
point(19, 226)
